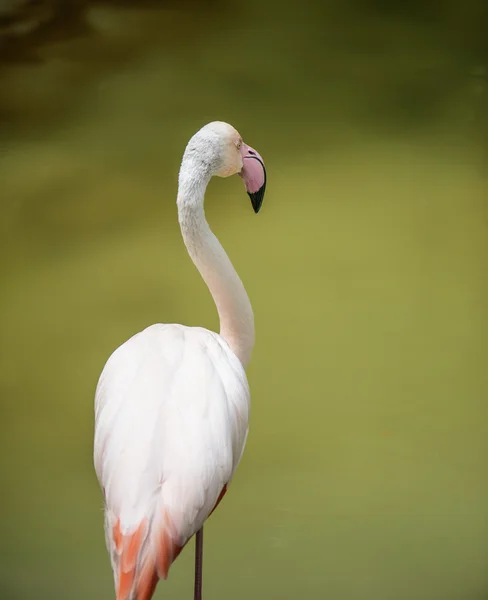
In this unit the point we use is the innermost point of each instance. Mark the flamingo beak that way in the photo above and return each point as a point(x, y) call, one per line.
point(253, 174)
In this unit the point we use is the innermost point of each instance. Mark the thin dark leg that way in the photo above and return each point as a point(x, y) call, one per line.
point(198, 564)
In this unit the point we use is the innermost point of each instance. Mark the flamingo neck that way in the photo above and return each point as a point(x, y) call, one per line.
point(230, 297)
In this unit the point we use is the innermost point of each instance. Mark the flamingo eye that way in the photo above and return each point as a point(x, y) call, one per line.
point(239, 144)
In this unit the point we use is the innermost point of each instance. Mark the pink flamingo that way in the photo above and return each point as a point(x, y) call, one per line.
point(172, 403)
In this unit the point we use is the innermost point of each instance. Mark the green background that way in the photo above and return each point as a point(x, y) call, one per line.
point(365, 471)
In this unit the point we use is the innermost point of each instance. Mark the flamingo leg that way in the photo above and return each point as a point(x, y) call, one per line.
point(198, 564)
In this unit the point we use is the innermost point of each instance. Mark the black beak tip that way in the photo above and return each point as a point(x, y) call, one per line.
point(257, 198)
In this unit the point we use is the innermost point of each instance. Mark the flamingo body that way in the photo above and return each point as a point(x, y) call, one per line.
point(171, 412)
point(172, 403)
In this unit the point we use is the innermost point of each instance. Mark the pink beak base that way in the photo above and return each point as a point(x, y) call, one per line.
point(253, 174)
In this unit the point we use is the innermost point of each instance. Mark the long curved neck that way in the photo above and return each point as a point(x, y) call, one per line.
point(230, 297)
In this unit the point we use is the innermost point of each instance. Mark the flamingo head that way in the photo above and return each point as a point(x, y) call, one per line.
point(221, 148)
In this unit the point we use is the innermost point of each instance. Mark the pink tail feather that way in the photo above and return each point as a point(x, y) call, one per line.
point(144, 558)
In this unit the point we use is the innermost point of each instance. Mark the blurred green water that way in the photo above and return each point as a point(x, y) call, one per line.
point(364, 475)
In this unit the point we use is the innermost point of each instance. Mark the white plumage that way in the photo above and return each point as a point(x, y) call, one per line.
point(172, 405)
point(172, 412)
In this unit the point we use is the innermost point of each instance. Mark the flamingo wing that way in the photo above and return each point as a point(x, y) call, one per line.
point(171, 421)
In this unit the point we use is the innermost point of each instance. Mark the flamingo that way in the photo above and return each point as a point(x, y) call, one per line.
point(172, 403)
